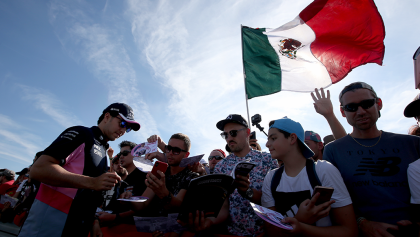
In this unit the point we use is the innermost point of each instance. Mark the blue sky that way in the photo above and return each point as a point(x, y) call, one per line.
point(177, 63)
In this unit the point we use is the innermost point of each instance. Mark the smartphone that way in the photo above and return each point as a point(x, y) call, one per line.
point(253, 135)
point(162, 166)
point(326, 193)
point(244, 168)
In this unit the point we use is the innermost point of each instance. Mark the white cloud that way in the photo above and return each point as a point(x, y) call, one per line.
point(50, 105)
point(103, 52)
point(17, 143)
point(195, 51)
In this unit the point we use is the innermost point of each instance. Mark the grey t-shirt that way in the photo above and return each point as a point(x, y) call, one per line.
point(376, 177)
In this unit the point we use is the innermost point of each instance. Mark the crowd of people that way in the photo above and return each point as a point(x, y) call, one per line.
point(375, 175)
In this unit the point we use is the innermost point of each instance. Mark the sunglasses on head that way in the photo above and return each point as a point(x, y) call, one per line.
point(232, 133)
point(215, 157)
point(123, 123)
point(125, 153)
point(353, 107)
point(175, 150)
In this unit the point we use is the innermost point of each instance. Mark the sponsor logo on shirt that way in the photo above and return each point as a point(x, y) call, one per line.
point(387, 166)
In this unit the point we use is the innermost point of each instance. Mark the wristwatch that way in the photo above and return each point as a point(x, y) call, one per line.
point(249, 193)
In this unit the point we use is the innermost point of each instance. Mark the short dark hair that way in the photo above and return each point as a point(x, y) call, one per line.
point(127, 143)
point(101, 118)
point(38, 154)
point(184, 138)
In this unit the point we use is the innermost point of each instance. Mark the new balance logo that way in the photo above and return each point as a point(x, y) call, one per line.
point(387, 166)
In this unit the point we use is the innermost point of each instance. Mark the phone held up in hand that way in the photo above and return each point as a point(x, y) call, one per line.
point(162, 166)
point(325, 194)
point(253, 136)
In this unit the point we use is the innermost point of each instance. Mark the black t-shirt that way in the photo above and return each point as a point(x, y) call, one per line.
point(80, 150)
point(174, 184)
point(136, 180)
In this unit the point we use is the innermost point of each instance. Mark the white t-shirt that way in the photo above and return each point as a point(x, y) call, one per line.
point(327, 174)
point(21, 185)
point(413, 173)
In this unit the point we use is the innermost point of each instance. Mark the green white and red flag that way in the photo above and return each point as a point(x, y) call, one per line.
point(316, 49)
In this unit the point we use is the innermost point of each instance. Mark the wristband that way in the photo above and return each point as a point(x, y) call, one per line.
point(360, 220)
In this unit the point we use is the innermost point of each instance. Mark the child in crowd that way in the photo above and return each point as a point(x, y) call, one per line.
point(289, 189)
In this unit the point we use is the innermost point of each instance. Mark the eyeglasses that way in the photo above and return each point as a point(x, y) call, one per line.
point(233, 133)
point(215, 157)
point(175, 150)
point(123, 123)
point(253, 145)
point(125, 153)
point(353, 107)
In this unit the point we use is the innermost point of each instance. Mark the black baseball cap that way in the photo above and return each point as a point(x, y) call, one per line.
point(126, 113)
point(232, 118)
point(23, 171)
point(413, 109)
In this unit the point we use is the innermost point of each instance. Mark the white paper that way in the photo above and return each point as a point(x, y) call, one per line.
point(7, 198)
point(142, 164)
point(270, 216)
point(144, 148)
point(190, 160)
point(134, 199)
point(242, 162)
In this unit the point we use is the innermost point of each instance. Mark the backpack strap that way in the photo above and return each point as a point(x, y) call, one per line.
point(313, 177)
point(275, 181)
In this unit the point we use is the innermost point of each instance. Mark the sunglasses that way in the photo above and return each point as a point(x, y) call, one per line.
point(125, 153)
point(353, 107)
point(253, 145)
point(175, 150)
point(215, 157)
point(123, 123)
point(232, 133)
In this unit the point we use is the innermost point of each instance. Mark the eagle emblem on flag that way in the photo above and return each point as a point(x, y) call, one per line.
point(289, 47)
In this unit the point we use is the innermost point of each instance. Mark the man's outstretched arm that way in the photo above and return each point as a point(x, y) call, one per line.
point(47, 170)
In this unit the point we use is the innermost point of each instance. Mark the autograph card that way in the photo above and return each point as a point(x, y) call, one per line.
point(144, 148)
point(270, 216)
point(190, 160)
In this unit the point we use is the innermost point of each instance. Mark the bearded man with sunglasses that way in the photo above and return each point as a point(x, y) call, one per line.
point(373, 164)
point(236, 132)
point(73, 172)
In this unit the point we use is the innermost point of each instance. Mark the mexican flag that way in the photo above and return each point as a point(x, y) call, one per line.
point(316, 49)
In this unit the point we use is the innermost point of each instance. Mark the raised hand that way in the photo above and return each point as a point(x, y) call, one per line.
point(322, 103)
point(110, 152)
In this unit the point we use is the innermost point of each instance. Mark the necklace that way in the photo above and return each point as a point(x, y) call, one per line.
point(368, 146)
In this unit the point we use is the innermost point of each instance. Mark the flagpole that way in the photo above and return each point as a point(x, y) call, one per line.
point(243, 70)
